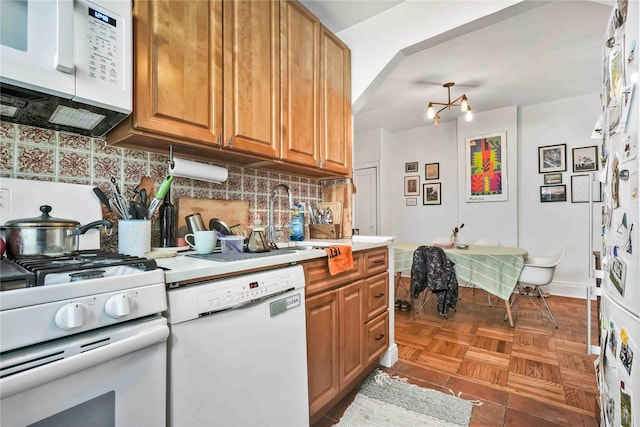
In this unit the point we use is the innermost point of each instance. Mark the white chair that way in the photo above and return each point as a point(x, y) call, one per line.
point(486, 242)
point(536, 273)
point(441, 241)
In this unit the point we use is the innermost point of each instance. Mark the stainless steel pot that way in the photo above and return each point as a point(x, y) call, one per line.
point(46, 235)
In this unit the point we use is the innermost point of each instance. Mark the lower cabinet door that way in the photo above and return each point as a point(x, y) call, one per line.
point(322, 349)
point(352, 319)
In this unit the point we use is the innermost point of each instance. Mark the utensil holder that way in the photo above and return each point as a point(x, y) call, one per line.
point(325, 231)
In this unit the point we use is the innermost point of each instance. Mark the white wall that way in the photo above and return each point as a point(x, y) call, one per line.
point(523, 221)
point(549, 228)
point(492, 220)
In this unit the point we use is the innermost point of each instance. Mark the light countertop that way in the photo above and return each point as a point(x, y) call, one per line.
point(185, 269)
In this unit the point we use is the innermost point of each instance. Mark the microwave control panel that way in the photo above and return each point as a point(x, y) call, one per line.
point(103, 46)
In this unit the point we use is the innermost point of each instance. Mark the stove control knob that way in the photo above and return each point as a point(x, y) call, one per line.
point(71, 316)
point(118, 306)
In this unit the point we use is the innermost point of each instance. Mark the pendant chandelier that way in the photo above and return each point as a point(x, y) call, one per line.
point(464, 106)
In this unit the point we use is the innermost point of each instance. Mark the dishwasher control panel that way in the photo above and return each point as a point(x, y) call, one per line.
point(192, 301)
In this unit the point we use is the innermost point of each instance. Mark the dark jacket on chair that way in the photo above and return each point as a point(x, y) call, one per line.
point(431, 269)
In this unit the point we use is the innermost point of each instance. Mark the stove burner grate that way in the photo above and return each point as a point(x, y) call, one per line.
point(82, 265)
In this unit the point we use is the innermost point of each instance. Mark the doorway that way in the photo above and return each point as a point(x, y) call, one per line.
point(365, 204)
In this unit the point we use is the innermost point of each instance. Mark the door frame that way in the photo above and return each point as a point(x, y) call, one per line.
point(368, 165)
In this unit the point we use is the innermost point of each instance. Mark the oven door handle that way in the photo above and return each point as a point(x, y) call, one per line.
point(26, 380)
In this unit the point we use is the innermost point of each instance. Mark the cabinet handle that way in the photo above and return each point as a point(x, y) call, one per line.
point(378, 262)
point(230, 142)
point(379, 337)
point(379, 295)
point(319, 163)
point(324, 164)
point(219, 140)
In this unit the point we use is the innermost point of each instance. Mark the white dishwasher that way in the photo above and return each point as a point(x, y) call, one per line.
point(238, 352)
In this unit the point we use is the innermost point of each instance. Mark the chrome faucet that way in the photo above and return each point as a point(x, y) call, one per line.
point(271, 229)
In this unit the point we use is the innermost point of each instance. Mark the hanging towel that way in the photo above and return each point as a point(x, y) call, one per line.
point(340, 259)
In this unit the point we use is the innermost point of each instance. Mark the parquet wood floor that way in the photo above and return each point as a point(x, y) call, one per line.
point(529, 375)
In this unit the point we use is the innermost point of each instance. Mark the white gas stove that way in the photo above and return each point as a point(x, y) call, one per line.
point(83, 329)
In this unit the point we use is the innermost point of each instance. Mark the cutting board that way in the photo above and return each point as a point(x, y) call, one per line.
point(232, 212)
point(336, 210)
point(341, 193)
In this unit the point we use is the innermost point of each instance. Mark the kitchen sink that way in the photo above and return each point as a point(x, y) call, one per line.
point(243, 255)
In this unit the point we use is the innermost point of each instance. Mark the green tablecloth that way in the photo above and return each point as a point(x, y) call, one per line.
point(493, 268)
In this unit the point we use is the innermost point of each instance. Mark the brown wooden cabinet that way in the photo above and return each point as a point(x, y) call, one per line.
point(177, 53)
point(259, 83)
point(316, 92)
point(347, 325)
point(252, 77)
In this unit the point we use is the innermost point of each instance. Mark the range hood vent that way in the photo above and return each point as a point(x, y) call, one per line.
point(28, 107)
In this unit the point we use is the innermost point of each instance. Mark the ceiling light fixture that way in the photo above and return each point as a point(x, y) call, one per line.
point(464, 106)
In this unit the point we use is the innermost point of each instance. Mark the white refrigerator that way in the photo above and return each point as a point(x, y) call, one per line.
point(618, 374)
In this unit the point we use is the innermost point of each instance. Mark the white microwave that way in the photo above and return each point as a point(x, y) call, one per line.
point(66, 64)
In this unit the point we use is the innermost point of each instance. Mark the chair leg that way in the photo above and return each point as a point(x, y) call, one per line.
point(542, 302)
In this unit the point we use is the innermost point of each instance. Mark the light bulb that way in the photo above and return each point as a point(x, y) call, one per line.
point(430, 113)
point(468, 116)
point(436, 120)
point(465, 105)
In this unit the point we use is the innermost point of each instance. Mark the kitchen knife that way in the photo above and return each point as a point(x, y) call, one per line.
point(103, 198)
point(162, 191)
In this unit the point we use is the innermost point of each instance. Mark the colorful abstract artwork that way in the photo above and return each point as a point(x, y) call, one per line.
point(486, 167)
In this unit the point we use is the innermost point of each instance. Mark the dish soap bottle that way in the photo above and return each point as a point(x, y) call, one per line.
point(296, 227)
point(167, 218)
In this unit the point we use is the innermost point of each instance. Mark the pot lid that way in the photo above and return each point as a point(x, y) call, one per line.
point(219, 225)
point(43, 220)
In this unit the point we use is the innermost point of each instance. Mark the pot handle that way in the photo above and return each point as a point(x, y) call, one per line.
point(95, 224)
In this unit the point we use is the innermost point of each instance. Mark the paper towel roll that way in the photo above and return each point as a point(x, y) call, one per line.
point(199, 171)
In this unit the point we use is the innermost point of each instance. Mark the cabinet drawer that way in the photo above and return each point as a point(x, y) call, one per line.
point(376, 261)
point(376, 294)
point(377, 336)
point(318, 278)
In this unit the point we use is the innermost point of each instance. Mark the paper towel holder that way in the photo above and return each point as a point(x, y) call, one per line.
point(214, 169)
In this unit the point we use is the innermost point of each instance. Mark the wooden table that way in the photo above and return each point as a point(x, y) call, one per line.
point(493, 268)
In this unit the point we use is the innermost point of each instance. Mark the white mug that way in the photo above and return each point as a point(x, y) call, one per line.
point(204, 241)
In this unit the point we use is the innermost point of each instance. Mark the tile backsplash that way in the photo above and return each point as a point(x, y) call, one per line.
point(40, 154)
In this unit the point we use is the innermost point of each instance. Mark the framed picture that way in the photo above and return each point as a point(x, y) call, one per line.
point(485, 167)
point(553, 193)
point(585, 159)
point(552, 178)
point(431, 193)
point(411, 167)
point(431, 171)
point(580, 188)
point(412, 201)
point(412, 185)
point(552, 158)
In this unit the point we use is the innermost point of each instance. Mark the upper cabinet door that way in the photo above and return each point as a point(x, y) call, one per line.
point(300, 66)
point(178, 68)
point(252, 76)
point(335, 103)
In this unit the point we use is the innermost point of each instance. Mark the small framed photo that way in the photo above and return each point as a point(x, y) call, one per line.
point(412, 185)
point(552, 178)
point(580, 188)
point(431, 193)
point(411, 167)
point(431, 171)
point(553, 193)
point(412, 201)
point(552, 158)
point(585, 159)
